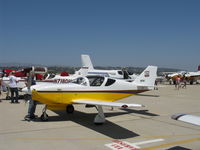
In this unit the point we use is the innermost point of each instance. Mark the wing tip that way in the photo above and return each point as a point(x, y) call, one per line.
point(134, 105)
point(177, 116)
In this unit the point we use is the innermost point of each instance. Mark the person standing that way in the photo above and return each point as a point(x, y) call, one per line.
point(184, 82)
point(13, 87)
point(1, 89)
point(32, 103)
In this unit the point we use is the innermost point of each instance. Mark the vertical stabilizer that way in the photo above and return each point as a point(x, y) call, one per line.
point(147, 77)
point(86, 62)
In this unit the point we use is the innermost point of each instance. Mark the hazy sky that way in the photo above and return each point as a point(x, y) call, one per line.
point(136, 33)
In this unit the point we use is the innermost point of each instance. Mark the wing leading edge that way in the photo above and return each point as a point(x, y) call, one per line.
point(103, 103)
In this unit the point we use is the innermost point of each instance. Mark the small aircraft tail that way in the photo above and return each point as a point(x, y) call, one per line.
point(86, 62)
point(147, 77)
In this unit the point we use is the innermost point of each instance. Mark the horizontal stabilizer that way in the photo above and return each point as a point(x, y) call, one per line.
point(103, 103)
point(187, 118)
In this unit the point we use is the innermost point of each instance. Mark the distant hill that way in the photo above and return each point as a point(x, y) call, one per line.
point(15, 64)
point(71, 70)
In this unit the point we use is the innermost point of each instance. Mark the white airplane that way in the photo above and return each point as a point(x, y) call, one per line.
point(118, 74)
point(88, 69)
point(83, 71)
point(187, 118)
point(97, 91)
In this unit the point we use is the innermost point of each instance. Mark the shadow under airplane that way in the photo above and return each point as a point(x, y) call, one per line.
point(178, 148)
point(109, 129)
point(148, 95)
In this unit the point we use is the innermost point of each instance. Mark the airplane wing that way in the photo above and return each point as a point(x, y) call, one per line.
point(187, 118)
point(103, 103)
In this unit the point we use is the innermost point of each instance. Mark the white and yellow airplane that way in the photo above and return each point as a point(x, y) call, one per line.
point(95, 91)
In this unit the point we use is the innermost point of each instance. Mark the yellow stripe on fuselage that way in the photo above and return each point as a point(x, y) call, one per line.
point(51, 98)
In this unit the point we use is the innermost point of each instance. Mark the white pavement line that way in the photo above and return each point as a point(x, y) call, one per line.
point(147, 142)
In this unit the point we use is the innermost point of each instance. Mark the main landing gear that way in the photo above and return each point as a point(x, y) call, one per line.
point(100, 118)
point(70, 109)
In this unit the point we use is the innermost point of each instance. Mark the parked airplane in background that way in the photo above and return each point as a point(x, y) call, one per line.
point(97, 91)
point(172, 76)
point(187, 118)
point(21, 77)
point(191, 77)
point(118, 74)
point(88, 69)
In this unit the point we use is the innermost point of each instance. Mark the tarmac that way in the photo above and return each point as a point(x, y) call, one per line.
point(148, 128)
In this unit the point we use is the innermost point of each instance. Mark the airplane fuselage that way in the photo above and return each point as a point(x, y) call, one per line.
point(65, 94)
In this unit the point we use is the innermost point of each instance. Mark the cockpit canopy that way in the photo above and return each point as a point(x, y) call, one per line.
point(93, 81)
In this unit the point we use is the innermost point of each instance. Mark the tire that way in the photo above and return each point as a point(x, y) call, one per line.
point(8, 97)
point(70, 109)
point(44, 117)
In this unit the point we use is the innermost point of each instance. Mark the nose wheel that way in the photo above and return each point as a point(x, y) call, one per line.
point(44, 116)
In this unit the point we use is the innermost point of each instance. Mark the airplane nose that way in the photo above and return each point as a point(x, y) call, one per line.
point(24, 89)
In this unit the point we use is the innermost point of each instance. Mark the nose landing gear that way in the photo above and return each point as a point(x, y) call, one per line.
point(44, 116)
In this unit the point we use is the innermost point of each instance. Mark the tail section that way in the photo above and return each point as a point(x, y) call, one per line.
point(86, 62)
point(147, 77)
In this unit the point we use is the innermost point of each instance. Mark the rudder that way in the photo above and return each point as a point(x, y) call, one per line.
point(147, 77)
point(86, 62)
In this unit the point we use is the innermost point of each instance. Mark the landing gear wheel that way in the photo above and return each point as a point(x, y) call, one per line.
point(44, 117)
point(8, 97)
point(100, 118)
point(70, 109)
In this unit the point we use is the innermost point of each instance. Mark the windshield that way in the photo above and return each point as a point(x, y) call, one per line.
point(89, 80)
point(49, 76)
point(81, 81)
point(95, 80)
